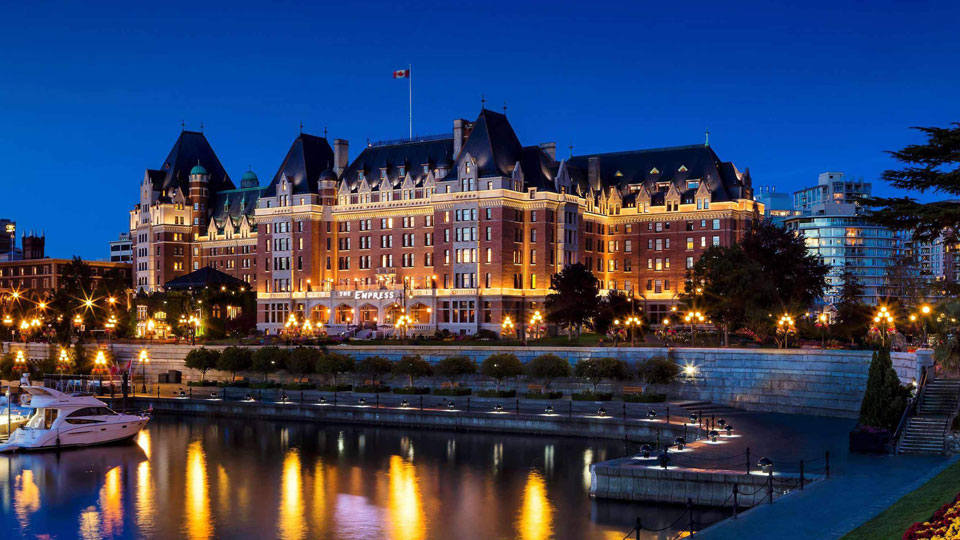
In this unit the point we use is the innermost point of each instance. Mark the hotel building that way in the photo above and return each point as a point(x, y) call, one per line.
point(456, 231)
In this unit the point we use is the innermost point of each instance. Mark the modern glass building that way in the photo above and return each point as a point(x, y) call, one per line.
point(834, 229)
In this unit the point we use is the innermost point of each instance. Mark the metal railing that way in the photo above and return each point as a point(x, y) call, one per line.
point(913, 405)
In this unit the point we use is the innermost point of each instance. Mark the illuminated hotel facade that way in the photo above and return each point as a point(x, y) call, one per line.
point(457, 232)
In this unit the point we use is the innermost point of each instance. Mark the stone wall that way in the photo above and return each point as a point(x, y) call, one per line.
point(798, 381)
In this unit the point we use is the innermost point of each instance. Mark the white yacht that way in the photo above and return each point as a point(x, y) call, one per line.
point(60, 420)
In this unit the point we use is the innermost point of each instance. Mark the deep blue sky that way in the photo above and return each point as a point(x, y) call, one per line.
point(92, 94)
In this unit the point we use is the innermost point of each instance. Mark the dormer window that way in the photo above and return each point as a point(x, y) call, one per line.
point(693, 184)
point(403, 170)
point(654, 171)
point(683, 168)
point(383, 174)
point(663, 186)
point(467, 168)
point(426, 168)
point(618, 174)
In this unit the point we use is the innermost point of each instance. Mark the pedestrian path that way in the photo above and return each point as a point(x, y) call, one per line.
point(832, 508)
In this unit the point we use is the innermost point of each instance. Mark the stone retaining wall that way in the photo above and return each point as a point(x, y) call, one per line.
point(799, 381)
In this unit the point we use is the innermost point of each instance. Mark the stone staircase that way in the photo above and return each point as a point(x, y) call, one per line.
point(925, 432)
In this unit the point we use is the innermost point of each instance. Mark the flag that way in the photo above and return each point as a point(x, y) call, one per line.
point(401, 74)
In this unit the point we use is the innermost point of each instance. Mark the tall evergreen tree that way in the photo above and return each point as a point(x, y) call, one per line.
point(933, 166)
point(575, 298)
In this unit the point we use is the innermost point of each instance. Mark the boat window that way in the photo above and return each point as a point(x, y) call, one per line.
point(42, 419)
point(92, 411)
point(49, 416)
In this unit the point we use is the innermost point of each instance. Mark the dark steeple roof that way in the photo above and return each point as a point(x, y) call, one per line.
point(190, 150)
point(204, 277)
point(391, 157)
point(307, 158)
point(493, 143)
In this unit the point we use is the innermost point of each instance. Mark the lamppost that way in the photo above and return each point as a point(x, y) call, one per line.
point(535, 321)
point(693, 317)
point(144, 360)
point(823, 318)
point(99, 364)
point(62, 361)
point(401, 325)
point(506, 327)
point(20, 362)
point(631, 323)
point(883, 318)
point(786, 326)
point(925, 310)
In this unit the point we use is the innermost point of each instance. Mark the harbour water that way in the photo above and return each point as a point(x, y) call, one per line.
point(203, 478)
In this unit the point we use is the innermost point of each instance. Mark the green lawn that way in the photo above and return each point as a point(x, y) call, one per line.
point(916, 506)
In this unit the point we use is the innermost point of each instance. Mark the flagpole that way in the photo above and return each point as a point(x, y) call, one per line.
point(410, 81)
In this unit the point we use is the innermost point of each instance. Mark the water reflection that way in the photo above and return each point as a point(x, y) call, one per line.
point(405, 505)
point(197, 511)
point(291, 505)
point(208, 479)
point(536, 513)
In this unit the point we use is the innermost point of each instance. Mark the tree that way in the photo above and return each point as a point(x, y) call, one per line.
point(501, 366)
point(575, 299)
point(795, 276)
point(81, 360)
point(268, 360)
point(614, 306)
point(335, 364)
point(932, 166)
point(301, 362)
point(596, 370)
point(657, 370)
point(202, 360)
point(724, 285)
point(452, 368)
point(375, 367)
point(884, 399)
point(412, 365)
point(947, 352)
point(234, 359)
point(853, 316)
point(548, 367)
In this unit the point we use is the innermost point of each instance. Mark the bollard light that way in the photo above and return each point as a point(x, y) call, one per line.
point(729, 429)
point(451, 404)
point(721, 422)
point(362, 401)
point(651, 414)
point(645, 451)
point(693, 418)
point(498, 407)
point(283, 397)
point(713, 435)
point(548, 409)
point(601, 412)
point(323, 400)
point(766, 465)
point(680, 442)
point(405, 403)
point(663, 460)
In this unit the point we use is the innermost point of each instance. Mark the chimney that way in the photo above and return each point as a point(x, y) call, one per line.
point(458, 125)
point(593, 172)
point(340, 155)
point(550, 148)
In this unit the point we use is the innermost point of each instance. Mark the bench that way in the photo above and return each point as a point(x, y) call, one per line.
point(534, 388)
point(632, 389)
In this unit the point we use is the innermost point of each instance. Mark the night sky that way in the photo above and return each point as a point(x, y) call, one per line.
point(93, 93)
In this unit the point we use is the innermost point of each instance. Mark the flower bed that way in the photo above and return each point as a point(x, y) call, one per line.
point(943, 525)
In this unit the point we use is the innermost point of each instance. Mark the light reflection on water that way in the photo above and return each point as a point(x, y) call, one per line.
point(204, 479)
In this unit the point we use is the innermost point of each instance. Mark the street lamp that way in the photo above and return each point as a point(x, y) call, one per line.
point(144, 360)
point(402, 322)
point(20, 362)
point(925, 310)
point(506, 327)
point(100, 363)
point(883, 319)
point(535, 321)
point(785, 326)
point(823, 318)
point(692, 318)
point(63, 360)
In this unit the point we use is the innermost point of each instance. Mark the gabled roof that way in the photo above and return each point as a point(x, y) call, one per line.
point(493, 143)
point(234, 203)
point(191, 149)
point(204, 277)
point(308, 157)
point(673, 165)
point(390, 157)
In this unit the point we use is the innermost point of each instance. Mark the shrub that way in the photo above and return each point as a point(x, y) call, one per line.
point(592, 396)
point(234, 359)
point(417, 390)
point(301, 362)
point(411, 366)
point(299, 386)
point(548, 367)
point(884, 399)
point(543, 395)
point(375, 367)
point(452, 391)
point(371, 388)
point(644, 398)
point(452, 368)
point(202, 383)
point(335, 387)
point(657, 370)
point(234, 384)
point(486, 335)
point(497, 393)
point(501, 366)
point(263, 385)
point(334, 364)
point(202, 360)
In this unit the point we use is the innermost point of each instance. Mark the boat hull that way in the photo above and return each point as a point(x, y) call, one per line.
point(78, 437)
